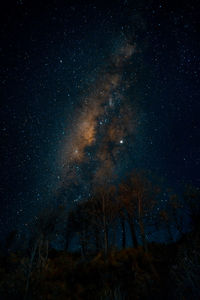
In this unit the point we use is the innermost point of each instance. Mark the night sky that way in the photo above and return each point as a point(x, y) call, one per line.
point(92, 91)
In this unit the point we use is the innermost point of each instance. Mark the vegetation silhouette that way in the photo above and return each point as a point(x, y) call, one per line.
point(106, 251)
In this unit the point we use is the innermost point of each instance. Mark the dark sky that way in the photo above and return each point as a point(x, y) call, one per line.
point(115, 82)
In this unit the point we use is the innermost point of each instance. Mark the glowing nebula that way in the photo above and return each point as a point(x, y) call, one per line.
point(100, 105)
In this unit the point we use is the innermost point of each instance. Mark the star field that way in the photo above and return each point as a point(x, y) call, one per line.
point(90, 91)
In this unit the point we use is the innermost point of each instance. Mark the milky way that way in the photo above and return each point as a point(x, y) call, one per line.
point(92, 91)
point(103, 122)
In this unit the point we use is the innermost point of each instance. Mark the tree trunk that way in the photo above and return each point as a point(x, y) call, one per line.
point(105, 228)
point(123, 232)
point(47, 252)
point(106, 241)
point(68, 237)
point(132, 229)
point(97, 241)
point(141, 224)
point(144, 243)
point(83, 246)
point(30, 269)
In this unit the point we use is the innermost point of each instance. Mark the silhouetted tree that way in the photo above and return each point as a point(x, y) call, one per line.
point(192, 205)
point(10, 239)
point(105, 212)
point(127, 210)
point(138, 196)
point(42, 232)
point(95, 219)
